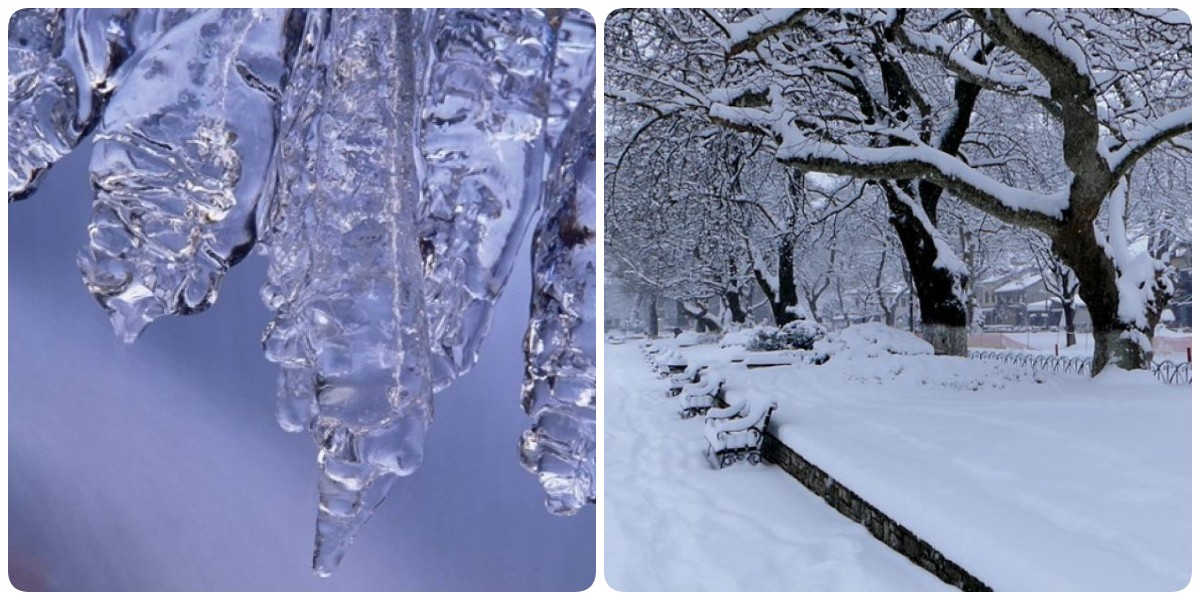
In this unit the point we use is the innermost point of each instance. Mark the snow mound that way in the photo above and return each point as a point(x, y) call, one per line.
point(872, 340)
point(692, 338)
point(874, 353)
point(797, 335)
point(740, 337)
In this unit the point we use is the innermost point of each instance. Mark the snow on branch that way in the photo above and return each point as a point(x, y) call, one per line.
point(1055, 33)
point(745, 35)
point(921, 161)
point(1145, 139)
point(983, 74)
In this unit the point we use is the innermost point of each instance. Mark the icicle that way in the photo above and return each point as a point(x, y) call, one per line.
point(345, 279)
point(560, 345)
point(482, 143)
point(180, 160)
point(398, 155)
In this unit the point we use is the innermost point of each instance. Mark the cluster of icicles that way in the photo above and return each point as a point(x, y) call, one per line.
point(387, 162)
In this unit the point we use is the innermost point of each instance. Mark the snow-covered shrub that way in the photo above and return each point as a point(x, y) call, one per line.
point(797, 335)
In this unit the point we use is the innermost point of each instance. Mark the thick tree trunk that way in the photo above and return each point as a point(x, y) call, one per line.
point(1118, 341)
point(943, 313)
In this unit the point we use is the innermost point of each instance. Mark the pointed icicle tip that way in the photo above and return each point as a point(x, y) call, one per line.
point(345, 506)
point(128, 325)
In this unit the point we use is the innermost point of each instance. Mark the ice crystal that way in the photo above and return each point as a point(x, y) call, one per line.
point(387, 162)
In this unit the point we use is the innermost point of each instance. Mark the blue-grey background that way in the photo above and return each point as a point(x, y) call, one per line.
point(159, 466)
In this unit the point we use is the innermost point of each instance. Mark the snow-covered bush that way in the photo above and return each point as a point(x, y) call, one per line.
point(797, 335)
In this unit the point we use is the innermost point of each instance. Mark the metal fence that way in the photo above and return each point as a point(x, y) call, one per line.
point(1167, 372)
point(1173, 372)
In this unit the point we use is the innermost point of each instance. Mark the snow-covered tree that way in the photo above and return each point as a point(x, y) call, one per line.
point(1037, 117)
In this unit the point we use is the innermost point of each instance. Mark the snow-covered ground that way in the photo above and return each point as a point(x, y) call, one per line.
point(673, 523)
point(1030, 482)
point(1168, 345)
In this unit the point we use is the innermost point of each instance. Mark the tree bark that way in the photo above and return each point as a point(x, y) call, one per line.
point(812, 306)
point(1117, 341)
point(943, 312)
point(1069, 322)
point(943, 315)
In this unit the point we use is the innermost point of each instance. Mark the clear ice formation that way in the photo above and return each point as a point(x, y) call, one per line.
point(179, 163)
point(62, 67)
point(482, 142)
point(350, 332)
point(387, 162)
point(560, 344)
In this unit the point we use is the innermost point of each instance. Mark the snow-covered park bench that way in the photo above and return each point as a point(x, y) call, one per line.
point(690, 375)
point(697, 398)
point(668, 362)
point(736, 433)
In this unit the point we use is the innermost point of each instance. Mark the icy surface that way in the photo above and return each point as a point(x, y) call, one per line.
point(208, 493)
point(560, 350)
